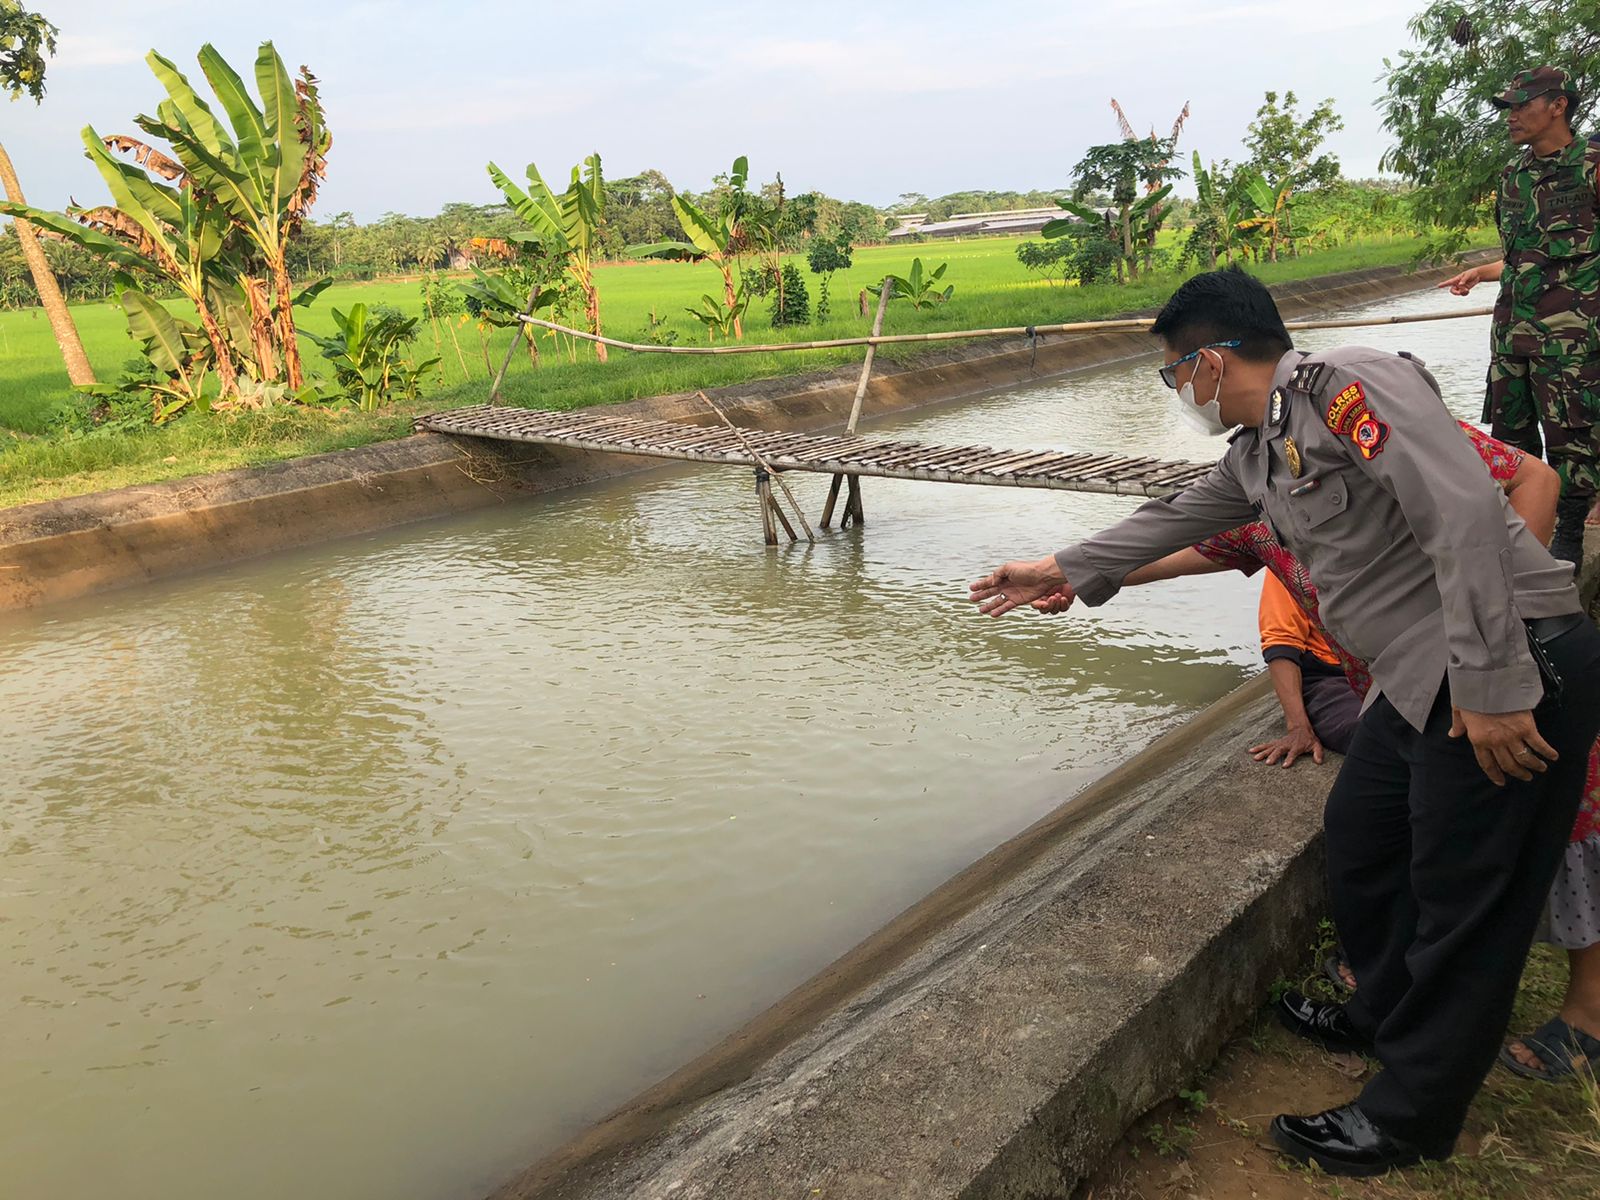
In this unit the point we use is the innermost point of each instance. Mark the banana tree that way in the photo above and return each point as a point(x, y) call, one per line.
point(263, 175)
point(159, 229)
point(919, 287)
point(718, 316)
point(711, 239)
point(1271, 205)
point(1218, 211)
point(564, 226)
point(368, 354)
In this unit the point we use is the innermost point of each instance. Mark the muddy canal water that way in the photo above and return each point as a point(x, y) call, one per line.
point(374, 871)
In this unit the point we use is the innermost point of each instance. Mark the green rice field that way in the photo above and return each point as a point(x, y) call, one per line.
point(991, 289)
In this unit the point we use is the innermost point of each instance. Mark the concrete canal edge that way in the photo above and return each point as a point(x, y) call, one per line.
point(62, 549)
point(997, 1038)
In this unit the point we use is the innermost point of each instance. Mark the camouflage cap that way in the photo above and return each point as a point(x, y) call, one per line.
point(1541, 81)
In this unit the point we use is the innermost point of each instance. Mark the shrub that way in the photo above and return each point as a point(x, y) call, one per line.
point(826, 256)
point(369, 354)
point(791, 303)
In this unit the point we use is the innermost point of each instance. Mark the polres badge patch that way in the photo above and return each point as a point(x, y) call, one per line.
point(1369, 435)
point(1346, 409)
point(1349, 416)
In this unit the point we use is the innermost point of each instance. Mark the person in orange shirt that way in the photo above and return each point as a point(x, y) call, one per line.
point(1318, 702)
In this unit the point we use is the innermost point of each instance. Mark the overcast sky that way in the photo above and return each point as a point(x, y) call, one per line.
point(863, 101)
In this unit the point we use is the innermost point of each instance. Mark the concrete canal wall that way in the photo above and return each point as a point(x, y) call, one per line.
point(66, 548)
point(997, 1038)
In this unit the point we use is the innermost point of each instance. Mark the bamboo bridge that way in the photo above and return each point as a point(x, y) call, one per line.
point(846, 456)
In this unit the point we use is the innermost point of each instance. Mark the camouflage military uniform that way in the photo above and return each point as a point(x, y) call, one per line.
point(1545, 368)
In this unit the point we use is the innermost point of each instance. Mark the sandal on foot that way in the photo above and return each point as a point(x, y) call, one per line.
point(1562, 1050)
point(1331, 970)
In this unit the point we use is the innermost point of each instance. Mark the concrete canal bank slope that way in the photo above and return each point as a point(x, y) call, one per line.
point(66, 548)
point(996, 1039)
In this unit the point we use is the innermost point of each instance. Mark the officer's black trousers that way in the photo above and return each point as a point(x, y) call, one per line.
point(1437, 880)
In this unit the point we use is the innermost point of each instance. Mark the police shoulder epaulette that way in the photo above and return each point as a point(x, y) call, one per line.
point(1306, 376)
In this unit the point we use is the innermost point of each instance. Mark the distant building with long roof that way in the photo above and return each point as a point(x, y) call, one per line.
point(1013, 221)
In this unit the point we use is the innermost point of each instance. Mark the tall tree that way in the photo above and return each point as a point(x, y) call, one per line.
point(1449, 141)
point(1284, 149)
point(1121, 168)
point(25, 39)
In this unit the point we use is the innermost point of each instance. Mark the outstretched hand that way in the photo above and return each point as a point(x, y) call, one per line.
point(1463, 283)
point(1018, 583)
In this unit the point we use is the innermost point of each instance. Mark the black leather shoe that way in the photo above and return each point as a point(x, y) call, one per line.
point(1343, 1142)
point(1316, 1020)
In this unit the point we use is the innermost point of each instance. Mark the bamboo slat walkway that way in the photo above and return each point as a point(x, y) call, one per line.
point(849, 455)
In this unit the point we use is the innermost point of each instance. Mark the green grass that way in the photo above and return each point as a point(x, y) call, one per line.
point(991, 289)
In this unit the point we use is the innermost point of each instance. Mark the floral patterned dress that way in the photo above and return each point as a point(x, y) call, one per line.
point(1575, 898)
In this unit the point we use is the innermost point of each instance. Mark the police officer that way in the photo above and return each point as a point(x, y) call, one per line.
point(1545, 364)
point(1452, 808)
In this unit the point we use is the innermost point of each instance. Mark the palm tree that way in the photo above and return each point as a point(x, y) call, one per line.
point(429, 246)
point(25, 38)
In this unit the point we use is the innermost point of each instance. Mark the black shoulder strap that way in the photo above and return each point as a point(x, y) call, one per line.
point(1306, 377)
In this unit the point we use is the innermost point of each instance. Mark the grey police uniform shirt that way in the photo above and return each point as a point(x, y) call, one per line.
point(1421, 566)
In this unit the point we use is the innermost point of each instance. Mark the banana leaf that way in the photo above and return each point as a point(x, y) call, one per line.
point(187, 109)
point(674, 251)
point(536, 207)
point(249, 127)
point(710, 237)
point(280, 107)
point(1146, 203)
point(1063, 226)
point(1260, 193)
point(306, 295)
point(169, 343)
point(90, 239)
point(155, 208)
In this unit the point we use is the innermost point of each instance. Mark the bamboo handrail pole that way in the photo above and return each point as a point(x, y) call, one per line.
point(505, 363)
point(765, 465)
point(1128, 325)
point(1402, 319)
point(872, 352)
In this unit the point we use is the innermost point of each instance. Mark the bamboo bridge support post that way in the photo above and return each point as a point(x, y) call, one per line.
point(765, 474)
point(769, 530)
point(852, 508)
point(852, 505)
point(517, 328)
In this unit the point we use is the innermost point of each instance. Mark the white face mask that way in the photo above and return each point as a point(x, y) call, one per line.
point(1203, 418)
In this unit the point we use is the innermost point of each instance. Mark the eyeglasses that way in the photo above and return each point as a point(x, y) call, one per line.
point(1169, 373)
